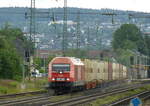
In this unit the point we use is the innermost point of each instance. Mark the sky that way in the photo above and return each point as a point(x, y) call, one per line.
point(134, 5)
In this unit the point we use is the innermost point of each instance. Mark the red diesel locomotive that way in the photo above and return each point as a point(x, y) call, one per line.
point(63, 74)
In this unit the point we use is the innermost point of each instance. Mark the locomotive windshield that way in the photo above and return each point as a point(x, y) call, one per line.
point(61, 67)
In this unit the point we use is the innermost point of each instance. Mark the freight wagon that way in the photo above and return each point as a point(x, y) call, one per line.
point(69, 73)
point(140, 71)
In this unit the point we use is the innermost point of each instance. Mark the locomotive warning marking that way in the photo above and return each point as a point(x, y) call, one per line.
point(60, 75)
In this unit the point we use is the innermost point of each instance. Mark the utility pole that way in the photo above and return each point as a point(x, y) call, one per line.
point(65, 35)
point(78, 30)
point(138, 64)
point(32, 31)
point(88, 40)
point(32, 25)
point(100, 40)
point(32, 21)
point(97, 32)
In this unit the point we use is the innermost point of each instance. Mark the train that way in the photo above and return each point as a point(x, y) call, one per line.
point(70, 73)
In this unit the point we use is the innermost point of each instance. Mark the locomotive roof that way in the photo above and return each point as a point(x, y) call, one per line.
point(75, 61)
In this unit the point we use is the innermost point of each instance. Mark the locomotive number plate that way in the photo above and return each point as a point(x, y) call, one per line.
point(60, 79)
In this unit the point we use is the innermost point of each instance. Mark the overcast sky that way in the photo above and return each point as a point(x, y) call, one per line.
point(135, 5)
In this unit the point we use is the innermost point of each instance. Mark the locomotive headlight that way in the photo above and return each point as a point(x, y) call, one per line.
point(68, 79)
point(60, 72)
point(53, 79)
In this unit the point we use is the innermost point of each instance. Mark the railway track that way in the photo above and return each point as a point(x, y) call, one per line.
point(89, 98)
point(12, 99)
point(21, 94)
point(25, 101)
point(44, 100)
point(126, 101)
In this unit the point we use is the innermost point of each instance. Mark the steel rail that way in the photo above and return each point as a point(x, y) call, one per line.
point(27, 101)
point(126, 100)
point(21, 94)
point(45, 99)
point(85, 99)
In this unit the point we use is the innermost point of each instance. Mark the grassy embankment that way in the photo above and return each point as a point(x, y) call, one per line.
point(110, 99)
point(11, 86)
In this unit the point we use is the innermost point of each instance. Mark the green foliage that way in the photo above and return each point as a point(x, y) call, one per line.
point(10, 60)
point(115, 97)
point(41, 71)
point(128, 36)
point(3, 90)
point(123, 56)
point(49, 59)
point(38, 63)
point(11, 33)
point(10, 64)
point(14, 84)
point(126, 39)
point(41, 62)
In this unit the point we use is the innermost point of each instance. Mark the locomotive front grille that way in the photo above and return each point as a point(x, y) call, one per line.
point(61, 84)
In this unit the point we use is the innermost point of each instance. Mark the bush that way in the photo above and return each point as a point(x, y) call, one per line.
point(14, 84)
point(3, 90)
point(42, 71)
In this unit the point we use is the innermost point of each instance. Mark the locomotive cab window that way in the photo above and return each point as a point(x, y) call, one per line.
point(61, 67)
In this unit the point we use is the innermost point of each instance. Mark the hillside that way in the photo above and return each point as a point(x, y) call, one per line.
point(95, 29)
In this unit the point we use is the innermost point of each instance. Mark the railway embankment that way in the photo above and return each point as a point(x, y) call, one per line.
point(11, 86)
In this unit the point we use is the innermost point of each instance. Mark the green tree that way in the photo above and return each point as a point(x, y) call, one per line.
point(41, 62)
point(10, 58)
point(10, 64)
point(128, 36)
point(50, 57)
point(38, 63)
point(127, 39)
